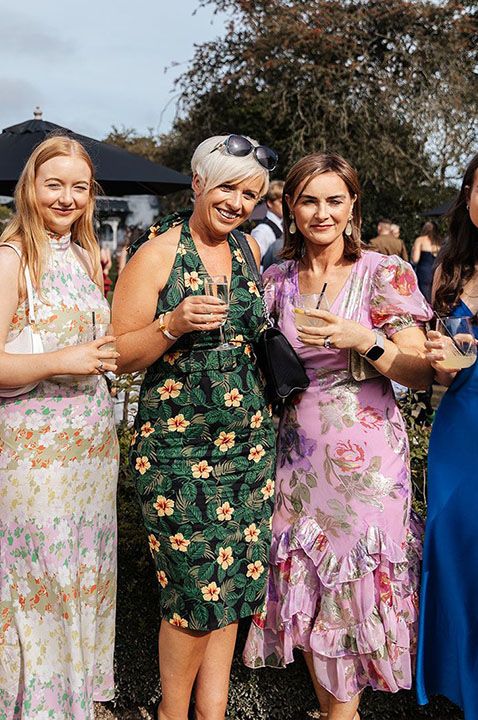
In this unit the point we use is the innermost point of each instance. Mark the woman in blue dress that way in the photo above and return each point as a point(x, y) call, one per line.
point(447, 661)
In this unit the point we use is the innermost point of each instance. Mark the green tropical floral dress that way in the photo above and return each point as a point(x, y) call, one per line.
point(203, 455)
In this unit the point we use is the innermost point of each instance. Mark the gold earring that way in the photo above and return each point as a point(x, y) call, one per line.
point(349, 228)
point(292, 226)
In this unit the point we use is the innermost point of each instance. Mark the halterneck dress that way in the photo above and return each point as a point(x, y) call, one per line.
point(58, 471)
point(203, 457)
point(447, 660)
point(345, 547)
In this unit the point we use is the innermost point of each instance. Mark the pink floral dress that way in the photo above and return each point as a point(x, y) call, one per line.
point(345, 550)
point(58, 471)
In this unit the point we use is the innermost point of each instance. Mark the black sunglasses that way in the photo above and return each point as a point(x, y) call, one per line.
point(240, 146)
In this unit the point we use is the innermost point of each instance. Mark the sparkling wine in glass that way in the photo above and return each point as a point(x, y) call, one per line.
point(460, 348)
point(218, 286)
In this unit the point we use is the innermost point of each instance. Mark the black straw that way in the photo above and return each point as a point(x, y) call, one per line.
point(322, 293)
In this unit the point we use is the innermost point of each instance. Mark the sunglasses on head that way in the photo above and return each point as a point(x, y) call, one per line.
point(240, 146)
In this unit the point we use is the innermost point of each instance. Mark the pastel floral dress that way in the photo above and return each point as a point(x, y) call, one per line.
point(58, 470)
point(203, 456)
point(345, 549)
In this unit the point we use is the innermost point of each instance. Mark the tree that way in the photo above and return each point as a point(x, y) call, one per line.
point(392, 87)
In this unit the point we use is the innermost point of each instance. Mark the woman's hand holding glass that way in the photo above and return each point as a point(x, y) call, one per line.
point(452, 345)
point(333, 331)
point(89, 358)
point(197, 312)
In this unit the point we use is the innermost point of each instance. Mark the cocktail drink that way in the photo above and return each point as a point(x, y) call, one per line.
point(305, 302)
point(460, 344)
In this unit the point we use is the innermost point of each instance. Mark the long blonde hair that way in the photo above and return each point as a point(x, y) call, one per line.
point(27, 226)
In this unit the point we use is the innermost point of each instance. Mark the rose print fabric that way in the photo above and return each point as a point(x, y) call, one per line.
point(203, 456)
point(345, 549)
point(58, 470)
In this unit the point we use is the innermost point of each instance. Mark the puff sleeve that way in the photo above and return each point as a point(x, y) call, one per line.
point(396, 302)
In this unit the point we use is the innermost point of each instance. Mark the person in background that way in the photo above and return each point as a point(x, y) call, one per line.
point(58, 450)
point(106, 265)
point(345, 553)
point(203, 451)
point(424, 253)
point(386, 242)
point(447, 661)
point(269, 232)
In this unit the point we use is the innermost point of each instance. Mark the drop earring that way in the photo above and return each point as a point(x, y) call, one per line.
point(292, 226)
point(349, 228)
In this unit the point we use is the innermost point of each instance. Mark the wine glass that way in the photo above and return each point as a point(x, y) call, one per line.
point(460, 345)
point(218, 286)
point(309, 301)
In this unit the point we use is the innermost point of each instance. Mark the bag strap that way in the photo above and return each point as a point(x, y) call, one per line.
point(28, 282)
point(250, 260)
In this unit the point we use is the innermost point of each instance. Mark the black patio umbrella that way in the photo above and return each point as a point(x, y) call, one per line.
point(439, 210)
point(118, 171)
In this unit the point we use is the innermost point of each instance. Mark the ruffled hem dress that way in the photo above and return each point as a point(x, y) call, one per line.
point(345, 555)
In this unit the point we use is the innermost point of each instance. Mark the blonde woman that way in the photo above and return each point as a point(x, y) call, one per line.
point(204, 448)
point(58, 450)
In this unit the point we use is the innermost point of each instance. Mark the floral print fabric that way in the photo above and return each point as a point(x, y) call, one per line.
point(345, 549)
point(58, 470)
point(203, 457)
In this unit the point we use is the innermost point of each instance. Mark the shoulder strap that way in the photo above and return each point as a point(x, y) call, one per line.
point(248, 256)
point(28, 282)
point(270, 223)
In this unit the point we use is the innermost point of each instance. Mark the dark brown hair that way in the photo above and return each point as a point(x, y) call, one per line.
point(459, 253)
point(299, 175)
point(430, 228)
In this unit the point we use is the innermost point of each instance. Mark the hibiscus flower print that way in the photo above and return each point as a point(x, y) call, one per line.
point(225, 557)
point(211, 592)
point(201, 469)
point(134, 438)
point(178, 621)
point(170, 389)
point(224, 511)
point(253, 288)
point(225, 441)
point(142, 464)
point(268, 489)
point(256, 420)
point(146, 429)
point(233, 398)
point(171, 357)
point(162, 579)
point(192, 280)
point(239, 256)
point(179, 542)
point(163, 506)
point(154, 543)
point(178, 423)
point(153, 232)
point(251, 533)
point(256, 453)
point(255, 570)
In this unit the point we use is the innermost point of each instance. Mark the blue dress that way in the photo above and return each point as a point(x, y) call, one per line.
point(447, 659)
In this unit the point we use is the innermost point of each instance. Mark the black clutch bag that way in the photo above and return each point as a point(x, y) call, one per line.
point(282, 368)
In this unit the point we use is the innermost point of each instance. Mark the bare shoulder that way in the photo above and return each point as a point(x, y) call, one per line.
point(10, 257)
point(159, 248)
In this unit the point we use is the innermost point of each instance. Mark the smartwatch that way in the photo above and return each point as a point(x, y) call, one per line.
point(376, 351)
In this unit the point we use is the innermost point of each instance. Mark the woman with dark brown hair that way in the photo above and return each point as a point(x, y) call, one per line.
point(345, 549)
point(448, 638)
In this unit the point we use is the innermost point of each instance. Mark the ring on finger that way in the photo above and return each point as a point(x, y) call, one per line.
point(100, 367)
point(327, 342)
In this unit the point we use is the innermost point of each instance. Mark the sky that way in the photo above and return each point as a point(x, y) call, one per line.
point(91, 65)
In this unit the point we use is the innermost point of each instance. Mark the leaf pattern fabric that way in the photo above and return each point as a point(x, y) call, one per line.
point(203, 456)
point(346, 547)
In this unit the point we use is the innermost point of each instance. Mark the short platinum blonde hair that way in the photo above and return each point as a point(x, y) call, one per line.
point(216, 167)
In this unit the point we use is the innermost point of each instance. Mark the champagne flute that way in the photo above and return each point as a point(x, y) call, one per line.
point(460, 348)
point(217, 286)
